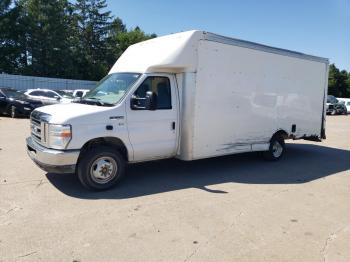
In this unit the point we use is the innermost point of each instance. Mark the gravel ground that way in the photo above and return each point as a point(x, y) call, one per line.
point(235, 208)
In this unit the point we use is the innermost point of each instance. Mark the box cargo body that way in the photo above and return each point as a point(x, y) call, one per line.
point(235, 94)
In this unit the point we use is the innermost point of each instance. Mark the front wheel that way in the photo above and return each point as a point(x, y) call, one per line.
point(276, 148)
point(101, 168)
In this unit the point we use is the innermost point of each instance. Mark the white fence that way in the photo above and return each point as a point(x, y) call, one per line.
point(31, 82)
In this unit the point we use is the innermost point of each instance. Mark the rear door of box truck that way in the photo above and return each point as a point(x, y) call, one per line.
point(243, 96)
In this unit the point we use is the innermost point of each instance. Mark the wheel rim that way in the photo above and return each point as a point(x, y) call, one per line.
point(103, 170)
point(13, 112)
point(277, 149)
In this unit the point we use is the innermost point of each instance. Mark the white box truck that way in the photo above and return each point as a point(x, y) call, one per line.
point(190, 95)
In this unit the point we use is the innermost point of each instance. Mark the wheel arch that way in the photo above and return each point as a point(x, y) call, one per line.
point(114, 142)
point(281, 133)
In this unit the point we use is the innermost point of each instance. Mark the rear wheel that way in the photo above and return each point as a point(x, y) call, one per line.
point(101, 168)
point(276, 148)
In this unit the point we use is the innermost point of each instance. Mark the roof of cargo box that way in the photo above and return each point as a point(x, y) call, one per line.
point(177, 53)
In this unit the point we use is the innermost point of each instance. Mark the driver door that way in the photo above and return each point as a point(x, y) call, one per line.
point(153, 133)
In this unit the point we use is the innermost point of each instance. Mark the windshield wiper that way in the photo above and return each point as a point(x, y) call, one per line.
point(94, 100)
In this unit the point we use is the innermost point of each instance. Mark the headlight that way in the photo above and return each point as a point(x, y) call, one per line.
point(58, 136)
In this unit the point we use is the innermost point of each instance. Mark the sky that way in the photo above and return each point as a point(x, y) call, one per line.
point(316, 27)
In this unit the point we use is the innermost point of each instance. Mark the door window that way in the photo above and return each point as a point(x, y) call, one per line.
point(160, 86)
point(50, 94)
point(37, 93)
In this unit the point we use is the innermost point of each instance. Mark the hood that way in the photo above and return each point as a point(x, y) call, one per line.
point(23, 100)
point(74, 112)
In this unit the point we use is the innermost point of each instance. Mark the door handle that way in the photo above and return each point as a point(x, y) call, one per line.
point(173, 125)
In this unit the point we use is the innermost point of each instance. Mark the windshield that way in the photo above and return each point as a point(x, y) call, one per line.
point(14, 94)
point(112, 88)
point(331, 99)
point(64, 94)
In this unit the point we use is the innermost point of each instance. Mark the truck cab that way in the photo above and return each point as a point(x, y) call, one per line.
point(127, 117)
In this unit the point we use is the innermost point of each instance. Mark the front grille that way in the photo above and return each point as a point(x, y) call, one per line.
point(37, 130)
point(38, 127)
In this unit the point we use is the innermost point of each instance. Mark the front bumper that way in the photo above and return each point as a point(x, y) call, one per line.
point(52, 160)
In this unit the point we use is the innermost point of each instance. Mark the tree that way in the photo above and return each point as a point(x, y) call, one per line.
point(121, 40)
point(113, 51)
point(131, 37)
point(93, 25)
point(4, 6)
point(338, 82)
point(10, 50)
point(45, 46)
point(61, 38)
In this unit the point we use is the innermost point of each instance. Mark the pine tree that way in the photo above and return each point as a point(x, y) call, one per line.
point(10, 50)
point(47, 50)
point(93, 25)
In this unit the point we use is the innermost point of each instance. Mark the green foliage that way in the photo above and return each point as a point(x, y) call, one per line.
point(125, 39)
point(338, 82)
point(46, 28)
point(58, 38)
point(120, 39)
point(10, 52)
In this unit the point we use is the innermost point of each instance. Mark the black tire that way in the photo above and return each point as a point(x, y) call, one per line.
point(13, 112)
point(276, 148)
point(89, 166)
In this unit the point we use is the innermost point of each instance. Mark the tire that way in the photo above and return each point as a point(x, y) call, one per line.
point(13, 112)
point(101, 168)
point(276, 148)
point(333, 112)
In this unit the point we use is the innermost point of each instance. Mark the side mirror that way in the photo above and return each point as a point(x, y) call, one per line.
point(57, 98)
point(151, 101)
point(134, 104)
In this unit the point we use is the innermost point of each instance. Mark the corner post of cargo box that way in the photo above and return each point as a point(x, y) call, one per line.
point(323, 122)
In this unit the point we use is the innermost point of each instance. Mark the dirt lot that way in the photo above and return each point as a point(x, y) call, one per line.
point(236, 208)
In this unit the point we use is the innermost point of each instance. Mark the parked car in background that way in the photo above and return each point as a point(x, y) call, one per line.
point(340, 109)
point(15, 103)
point(330, 109)
point(48, 97)
point(80, 92)
point(346, 102)
point(334, 107)
point(67, 92)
